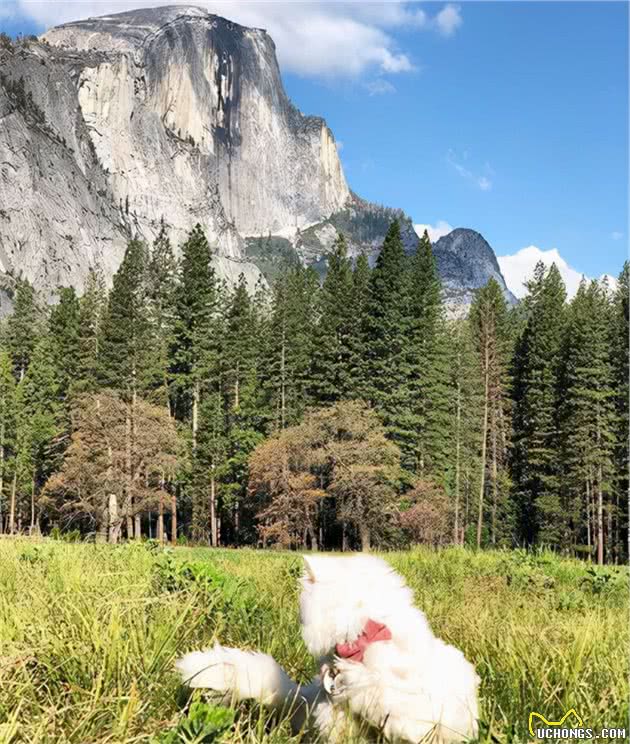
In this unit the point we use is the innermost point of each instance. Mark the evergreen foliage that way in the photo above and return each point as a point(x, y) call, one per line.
point(316, 414)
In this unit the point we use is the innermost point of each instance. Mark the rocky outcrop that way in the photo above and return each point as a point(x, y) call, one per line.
point(166, 113)
point(465, 263)
point(110, 125)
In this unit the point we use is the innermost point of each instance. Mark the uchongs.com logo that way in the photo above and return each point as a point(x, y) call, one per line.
point(570, 726)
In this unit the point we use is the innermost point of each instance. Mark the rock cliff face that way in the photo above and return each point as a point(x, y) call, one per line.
point(465, 263)
point(111, 124)
point(170, 112)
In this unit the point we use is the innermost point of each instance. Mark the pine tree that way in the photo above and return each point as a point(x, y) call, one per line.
point(37, 410)
point(7, 428)
point(23, 327)
point(194, 352)
point(490, 326)
point(331, 373)
point(162, 296)
point(244, 415)
point(64, 327)
point(91, 310)
point(619, 337)
point(358, 351)
point(428, 419)
point(387, 336)
point(588, 421)
point(536, 392)
point(197, 374)
point(466, 406)
point(124, 341)
point(294, 311)
point(124, 354)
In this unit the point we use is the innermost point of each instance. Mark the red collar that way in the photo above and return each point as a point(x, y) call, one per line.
point(372, 632)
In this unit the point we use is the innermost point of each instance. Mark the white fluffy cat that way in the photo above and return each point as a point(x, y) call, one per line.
point(378, 658)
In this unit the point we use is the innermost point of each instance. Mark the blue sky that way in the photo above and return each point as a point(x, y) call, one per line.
point(507, 117)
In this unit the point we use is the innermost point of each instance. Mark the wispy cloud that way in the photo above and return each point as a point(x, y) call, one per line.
point(448, 20)
point(481, 180)
point(616, 235)
point(379, 87)
point(331, 40)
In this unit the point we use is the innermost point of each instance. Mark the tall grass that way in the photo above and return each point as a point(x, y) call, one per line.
point(89, 634)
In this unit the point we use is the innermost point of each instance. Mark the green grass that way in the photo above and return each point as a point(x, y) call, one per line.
point(89, 634)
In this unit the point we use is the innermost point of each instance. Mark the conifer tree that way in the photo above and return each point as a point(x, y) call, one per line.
point(124, 352)
point(466, 407)
point(37, 410)
point(7, 429)
point(64, 327)
point(536, 391)
point(428, 415)
point(332, 352)
point(619, 337)
point(489, 321)
point(294, 310)
point(244, 414)
point(162, 295)
point(358, 349)
point(387, 336)
point(125, 327)
point(195, 344)
point(588, 425)
point(23, 327)
point(91, 309)
point(197, 375)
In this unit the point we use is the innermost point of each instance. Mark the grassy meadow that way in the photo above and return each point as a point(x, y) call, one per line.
point(89, 634)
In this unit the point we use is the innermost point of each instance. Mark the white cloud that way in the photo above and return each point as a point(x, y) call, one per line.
point(482, 181)
point(340, 39)
point(448, 20)
point(380, 87)
point(436, 231)
point(518, 267)
point(616, 235)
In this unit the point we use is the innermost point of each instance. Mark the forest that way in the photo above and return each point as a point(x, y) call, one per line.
point(344, 414)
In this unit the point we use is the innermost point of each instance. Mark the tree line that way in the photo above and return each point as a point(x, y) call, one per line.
point(334, 414)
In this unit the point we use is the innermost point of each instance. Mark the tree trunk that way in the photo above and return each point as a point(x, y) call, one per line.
point(115, 522)
point(137, 526)
point(160, 519)
point(458, 430)
point(213, 510)
point(364, 534)
point(195, 414)
point(32, 526)
point(588, 517)
point(344, 537)
point(128, 506)
point(174, 517)
point(484, 437)
point(494, 477)
point(600, 518)
point(312, 533)
point(283, 402)
point(600, 499)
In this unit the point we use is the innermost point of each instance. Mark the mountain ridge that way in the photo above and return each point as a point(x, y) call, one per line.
point(167, 113)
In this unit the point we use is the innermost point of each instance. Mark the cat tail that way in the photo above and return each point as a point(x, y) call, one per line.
point(239, 675)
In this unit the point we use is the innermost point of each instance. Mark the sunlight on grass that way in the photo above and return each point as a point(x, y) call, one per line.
point(89, 634)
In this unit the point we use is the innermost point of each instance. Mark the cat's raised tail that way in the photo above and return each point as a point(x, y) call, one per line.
point(239, 675)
